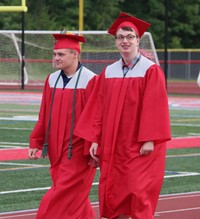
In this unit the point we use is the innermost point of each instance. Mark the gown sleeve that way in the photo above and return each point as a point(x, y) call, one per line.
point(89, 124)
point(37, 136)
point(154, 120)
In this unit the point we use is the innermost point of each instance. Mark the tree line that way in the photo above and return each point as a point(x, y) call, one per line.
point(182, 17)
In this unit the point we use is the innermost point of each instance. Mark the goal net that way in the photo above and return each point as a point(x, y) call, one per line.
point(97, 53)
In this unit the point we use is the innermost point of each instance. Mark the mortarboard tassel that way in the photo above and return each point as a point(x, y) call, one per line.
point(45, 150)
point(69, 151)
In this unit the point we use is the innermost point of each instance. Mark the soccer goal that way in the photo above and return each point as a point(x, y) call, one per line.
point(98, 52)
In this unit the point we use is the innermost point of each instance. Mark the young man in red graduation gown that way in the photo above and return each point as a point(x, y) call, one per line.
point(65, 94)
point(130, 127)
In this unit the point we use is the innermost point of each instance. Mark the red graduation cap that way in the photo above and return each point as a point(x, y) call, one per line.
point(68, 41)
point(125, 20)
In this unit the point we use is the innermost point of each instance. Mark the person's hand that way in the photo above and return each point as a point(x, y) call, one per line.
point(93, 151)
point(93, 163)
point(32, 153)
point(147, 148)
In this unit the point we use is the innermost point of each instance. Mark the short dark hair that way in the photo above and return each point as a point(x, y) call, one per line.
point(127, 28)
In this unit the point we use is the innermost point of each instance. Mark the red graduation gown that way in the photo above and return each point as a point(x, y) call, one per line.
point(72, 179)
point(129, 111)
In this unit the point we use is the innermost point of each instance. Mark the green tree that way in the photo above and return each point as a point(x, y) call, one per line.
point(183, 16)
point(184, 21)
point(38, 16)
point(183, 29)
point(99, 14)
point(10, 20)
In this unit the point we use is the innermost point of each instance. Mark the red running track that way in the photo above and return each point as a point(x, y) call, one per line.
point(180, 206)
point(22, 153)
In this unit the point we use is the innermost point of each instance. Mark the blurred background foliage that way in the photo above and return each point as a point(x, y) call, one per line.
point(183, 17)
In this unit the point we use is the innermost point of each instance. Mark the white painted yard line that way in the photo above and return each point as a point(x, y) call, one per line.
point(33, 189)
point(94, 184)
point(30, 212)
point(184, 124)
point(14, 216)
point(183, 155)
point(187, 137)
point(6, 147)
point(9, 128)
point(179, 195)
point(23, 164)
point(13, 143)
point(178, 210)
point(178, 173)
point(19, 110)
point(19, 212)
point(20, 118)
point(157, 213)
point(194, 134)
point(20, 168)
point(24, 190)
point(182, 174)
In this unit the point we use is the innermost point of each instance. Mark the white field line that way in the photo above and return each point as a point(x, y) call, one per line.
point(33, 189)
point(186, 125)
point(180, 195)
point(19, 168)
point(177, 173)
point(20, 118)
point(193, 134)
point(13, 143)
point(23, 190)
point(13, 146)
point(24, 213)
point(96, 204)
point(18, 110)
point(6, 147)
point(22, 164)
point(8, 128)
point(21, 215)
point(181, 174)
point(187, 137)
point(183, 155)
point(93, 184)
point(178, 210)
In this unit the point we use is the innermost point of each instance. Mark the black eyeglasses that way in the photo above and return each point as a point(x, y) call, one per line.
point(128, 37)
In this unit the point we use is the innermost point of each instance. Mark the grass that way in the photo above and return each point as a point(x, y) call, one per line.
point(24, 178)
point(20, 177)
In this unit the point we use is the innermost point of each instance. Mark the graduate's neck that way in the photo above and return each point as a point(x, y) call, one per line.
point(71, 70)
point(128, 57)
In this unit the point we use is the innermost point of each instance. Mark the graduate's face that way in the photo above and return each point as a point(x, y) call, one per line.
point(126, 41)
point(64, 58)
